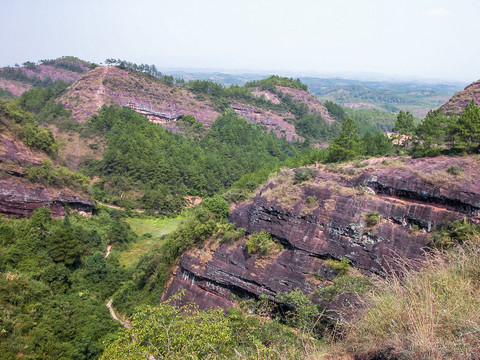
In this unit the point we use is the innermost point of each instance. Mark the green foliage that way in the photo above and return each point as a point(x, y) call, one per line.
point(455, 170)
point(18, 75)
point(466, 131)
point(144, 68)
point(53, 283)
point(304, 174)
point(174, 332)
point(167, 166)
point(344, 285)
point(190, 126)
point(376, 145)
point(313, 126)
point(259, 243)
point(27, 128)
point(41, 102)
point(336, 111)
point(217, 205)
point(440, 134)
point(60, 177)
point(404, 124)
point(339, 267)
point(372, 218)
point(347, 145)
point(456, 232)
point(275, 80)
point(6, 95)
point(301, 313)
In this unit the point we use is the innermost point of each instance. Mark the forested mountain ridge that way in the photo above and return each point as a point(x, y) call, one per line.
point(164, 100)
point(16, 80)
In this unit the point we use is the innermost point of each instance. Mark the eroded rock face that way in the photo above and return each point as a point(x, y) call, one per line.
point(328, 218)
point(18, 196)
point(457, 103)
point(20, 199)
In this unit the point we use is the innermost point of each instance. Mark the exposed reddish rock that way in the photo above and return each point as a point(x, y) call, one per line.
point(43, 71)
point(457, 103)
point(21, 199)
point(110, 85)
point(404, 193)
point(273, 121)
point(17, 88)
point(314, 104)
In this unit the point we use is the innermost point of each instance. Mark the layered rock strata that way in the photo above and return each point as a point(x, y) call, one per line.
point(378, 215)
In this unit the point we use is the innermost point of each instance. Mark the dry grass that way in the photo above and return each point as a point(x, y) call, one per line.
point(282, 190)
point(309, 206)
point(431, 314)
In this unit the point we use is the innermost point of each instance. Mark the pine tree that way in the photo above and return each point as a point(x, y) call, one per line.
point(467, 129)
point(347, 145)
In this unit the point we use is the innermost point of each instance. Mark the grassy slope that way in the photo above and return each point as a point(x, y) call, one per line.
point(141, 226)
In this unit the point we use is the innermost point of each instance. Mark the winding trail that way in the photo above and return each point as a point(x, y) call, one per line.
point(109, 248)
point(140, 211)
point(126, 324)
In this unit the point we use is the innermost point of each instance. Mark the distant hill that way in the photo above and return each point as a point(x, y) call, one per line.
point(383, 95)
point(164, 102)
point(109, 85)
point(16, 80)
point(457, 103)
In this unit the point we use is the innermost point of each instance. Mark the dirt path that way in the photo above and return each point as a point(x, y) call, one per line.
point(140, 211)
point(109, 247)
point(125, 324)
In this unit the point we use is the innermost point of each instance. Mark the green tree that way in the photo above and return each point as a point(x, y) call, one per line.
point(347, 145)
point(430, 134)
point(404, 125)
point(467, 130)
point(169, 331)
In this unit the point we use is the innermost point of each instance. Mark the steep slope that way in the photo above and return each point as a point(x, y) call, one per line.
point(111, 85)
point(374, 217)
point(18, 194)
point(278, 119)
point(457, 103)
point(19, 79)
point(164, 103)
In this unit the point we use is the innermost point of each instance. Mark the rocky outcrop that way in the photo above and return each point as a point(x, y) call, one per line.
point(457, 103)
point(377, 216)
point(21, 200)
point(109, 85)
point(20, 197)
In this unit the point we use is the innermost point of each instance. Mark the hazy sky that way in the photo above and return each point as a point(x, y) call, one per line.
point(412, 38)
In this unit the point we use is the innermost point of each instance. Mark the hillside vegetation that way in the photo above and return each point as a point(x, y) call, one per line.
point(59, 269)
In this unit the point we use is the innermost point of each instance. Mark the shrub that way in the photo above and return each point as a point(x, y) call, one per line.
point(372, 219)
point(259, 243)
point(457, 232)
point(455, 170)
point(217, 205)
point(339, 267)
point(304, 174)
point(174, 332)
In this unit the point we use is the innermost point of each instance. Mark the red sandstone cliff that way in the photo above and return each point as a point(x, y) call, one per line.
point(326, 218)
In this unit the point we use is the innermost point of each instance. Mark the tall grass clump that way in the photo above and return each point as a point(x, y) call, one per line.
point(429, 314)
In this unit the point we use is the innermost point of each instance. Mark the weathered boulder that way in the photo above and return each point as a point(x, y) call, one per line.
point(377, 216)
